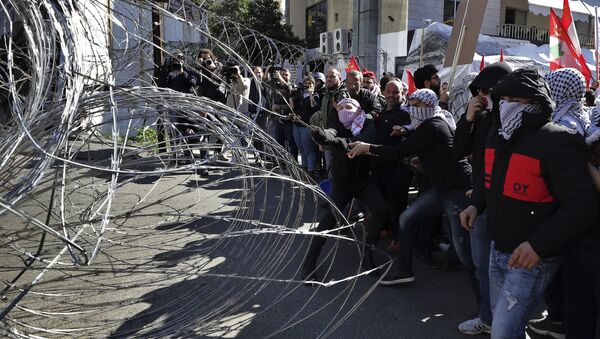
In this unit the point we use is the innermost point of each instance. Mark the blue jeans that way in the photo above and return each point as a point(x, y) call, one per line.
point(432, 201)
point(283, 133)
point(306, 146)
point(480, 251)
point(515, 292)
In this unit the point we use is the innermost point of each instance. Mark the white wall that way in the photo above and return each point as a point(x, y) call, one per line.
point(395, 45)
point(491, 18)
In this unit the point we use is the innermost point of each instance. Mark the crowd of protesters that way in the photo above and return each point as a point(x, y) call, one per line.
point(508, 160)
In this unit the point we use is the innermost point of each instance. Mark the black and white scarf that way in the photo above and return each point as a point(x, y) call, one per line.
point(420, 114)
point(567, 87)
point(511, 116)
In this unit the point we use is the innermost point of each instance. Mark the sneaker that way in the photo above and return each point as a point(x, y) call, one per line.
point(427, 258)
point(397, 279)
point(393, 247)
point(547, 327)
point(474, 326)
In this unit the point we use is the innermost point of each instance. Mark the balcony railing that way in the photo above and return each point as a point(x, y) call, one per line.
point(536, 35)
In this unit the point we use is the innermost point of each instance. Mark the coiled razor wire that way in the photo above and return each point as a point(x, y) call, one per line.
point(105, 232)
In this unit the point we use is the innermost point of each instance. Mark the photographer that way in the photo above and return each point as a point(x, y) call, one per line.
point(281, 96)
point(210, 81)
point(174, 76)
point(238, 88)
point(306, 102)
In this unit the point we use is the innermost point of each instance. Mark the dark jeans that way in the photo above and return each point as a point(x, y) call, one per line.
point(581, 268)
point(369, 194)
point(393, 182)
point(432, 201)
point(283, 132)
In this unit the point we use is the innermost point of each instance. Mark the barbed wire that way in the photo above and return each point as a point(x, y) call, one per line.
point(107, 231)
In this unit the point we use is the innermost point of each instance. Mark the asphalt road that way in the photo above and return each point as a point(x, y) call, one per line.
point(165, 272)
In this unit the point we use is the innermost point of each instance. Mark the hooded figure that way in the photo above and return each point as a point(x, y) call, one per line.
point(523, 83)
point(567, 86)
point(537, 194)
point(469, 140)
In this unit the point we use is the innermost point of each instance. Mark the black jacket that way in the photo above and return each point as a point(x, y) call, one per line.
point(304, 109)
point(470, 138)
point(346, 171)
point(537, 186)
point(384, 125)
point(431, 141)
point(368, 102)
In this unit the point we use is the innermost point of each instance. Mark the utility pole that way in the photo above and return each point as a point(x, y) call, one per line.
point(157, 38)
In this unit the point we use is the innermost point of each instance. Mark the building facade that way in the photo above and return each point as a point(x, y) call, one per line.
point(382, 30)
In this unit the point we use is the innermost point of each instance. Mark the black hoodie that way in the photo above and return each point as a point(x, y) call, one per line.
point(536, 186)
point(470, 136)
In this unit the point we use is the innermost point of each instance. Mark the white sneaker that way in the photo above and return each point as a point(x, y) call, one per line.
point(474, 326)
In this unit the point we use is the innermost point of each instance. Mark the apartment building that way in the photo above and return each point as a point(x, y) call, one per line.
point(383, 29)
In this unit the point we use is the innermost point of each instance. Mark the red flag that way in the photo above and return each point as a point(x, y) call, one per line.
point(564, 44)
point(501, 54)
point(411, 82)
point(352, 65)
point(482, 64)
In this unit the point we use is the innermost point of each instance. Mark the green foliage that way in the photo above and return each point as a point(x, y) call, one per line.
point(145, 136)
point(263, 16)
point(266, 18)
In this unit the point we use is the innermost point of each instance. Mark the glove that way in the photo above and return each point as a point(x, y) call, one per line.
point(319, 135)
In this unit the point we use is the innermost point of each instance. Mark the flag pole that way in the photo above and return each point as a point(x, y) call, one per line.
point(461, 37)
point(596, 40)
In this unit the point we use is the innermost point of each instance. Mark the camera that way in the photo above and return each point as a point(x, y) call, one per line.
point(208, 63)
point(176, 65)
point(230, 70)
point(298, 92)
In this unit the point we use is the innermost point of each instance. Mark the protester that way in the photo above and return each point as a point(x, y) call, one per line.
point(335, 91)
point(393, 176)
point(351, 177)
point(537, 194)
point(563, 294)
point(472, 129)
point(304, 107)
point(370, 83)
point(282, 129)
point(319, 83)
point(368, 101)
point(427, 77)
point(431, 141)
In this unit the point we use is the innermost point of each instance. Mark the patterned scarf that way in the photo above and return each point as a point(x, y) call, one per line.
point(352, 119)
point(419, 114)
point(567, 86)
point(511, 116)
point(460, 96)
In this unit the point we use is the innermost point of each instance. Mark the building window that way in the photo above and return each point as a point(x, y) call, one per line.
point(337, 17)
point(316, 23)
point(515, 16)
point(450, 7)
